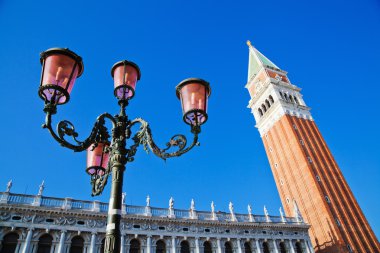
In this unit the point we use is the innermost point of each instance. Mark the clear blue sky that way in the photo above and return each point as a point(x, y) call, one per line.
point(330, 49)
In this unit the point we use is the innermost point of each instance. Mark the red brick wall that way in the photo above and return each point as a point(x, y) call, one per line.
point(296, 179)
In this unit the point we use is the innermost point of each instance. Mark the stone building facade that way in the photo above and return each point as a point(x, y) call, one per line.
point(40, 224)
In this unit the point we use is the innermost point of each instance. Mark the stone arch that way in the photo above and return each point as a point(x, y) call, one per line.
point(260, 112)
point(228, 247)
point(247, 247)
point(271, 99)
point(160, 246)
point(298, 247)
point(282, 247)
point(267, 103)
point(266, 247)
point(77, 244)
point(135, 246)
point(207, 247)
point(44, 243)
point(102, 245)
point(9, 243)
point(185, 246)
point(264, 108)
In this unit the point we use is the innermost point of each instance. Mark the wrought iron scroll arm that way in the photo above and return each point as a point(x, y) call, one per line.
point(66, 128)
point(144, 137)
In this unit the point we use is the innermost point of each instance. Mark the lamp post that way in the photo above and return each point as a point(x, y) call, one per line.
point(60, 68)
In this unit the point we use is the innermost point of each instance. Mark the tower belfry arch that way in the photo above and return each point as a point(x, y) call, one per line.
point(303, 167)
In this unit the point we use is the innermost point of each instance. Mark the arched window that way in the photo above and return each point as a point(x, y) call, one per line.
point(296, 100)
point(282, 247)
point(185, 247)
point(76, 244)
point(286, 97)
point(271, 99)
point(247, 248)
point(9, 243)
point(207, 247)
point(266, 247)
point(102, 245)
point(260, 112)
point(291, 98)
point(298, 247)
point(227, 247)
point(282, 95)
point(267, 103)
point(44, 243)
point(135, 246)
point(263, 107)
point(160, 246)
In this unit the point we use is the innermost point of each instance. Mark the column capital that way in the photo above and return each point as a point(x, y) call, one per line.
point(94, 233)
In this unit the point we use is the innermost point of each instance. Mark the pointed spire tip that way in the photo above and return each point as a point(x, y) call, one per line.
point(249, 43)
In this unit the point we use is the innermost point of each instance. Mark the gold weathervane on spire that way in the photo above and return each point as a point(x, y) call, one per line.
point(249, 43)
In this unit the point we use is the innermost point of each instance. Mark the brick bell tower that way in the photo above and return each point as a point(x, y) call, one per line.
point(303, 167)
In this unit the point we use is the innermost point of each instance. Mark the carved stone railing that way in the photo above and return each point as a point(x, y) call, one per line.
point(7, 198)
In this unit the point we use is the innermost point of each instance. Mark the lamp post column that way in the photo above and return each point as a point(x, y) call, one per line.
point(118, 161)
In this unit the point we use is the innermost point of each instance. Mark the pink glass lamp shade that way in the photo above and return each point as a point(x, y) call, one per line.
point(97, 159)
point(60, 69)
point(125, 75)
point(194, 93)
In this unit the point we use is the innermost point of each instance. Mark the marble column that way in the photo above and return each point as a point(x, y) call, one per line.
point(61, 244)
point(238, 246)
point(173, 245)
point(291, 247)
point(26, 245)
point(258, 249)
point(148, 244)
point(275, 249)
point(92, 243)
point(122, 244)
point(197, 245)
point(218, 245)
point(307, 248)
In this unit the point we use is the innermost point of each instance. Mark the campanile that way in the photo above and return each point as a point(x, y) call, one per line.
point(303, 167)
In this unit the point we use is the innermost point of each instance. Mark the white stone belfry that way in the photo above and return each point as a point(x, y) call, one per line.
point(272, 93)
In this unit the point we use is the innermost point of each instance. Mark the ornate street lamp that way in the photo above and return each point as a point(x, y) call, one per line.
point(60, 68)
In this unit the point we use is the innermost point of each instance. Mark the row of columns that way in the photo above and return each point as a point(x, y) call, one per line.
point(306, 246)
point(25, 246)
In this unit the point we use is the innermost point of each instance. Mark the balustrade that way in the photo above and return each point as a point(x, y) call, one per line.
point(22, 199)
